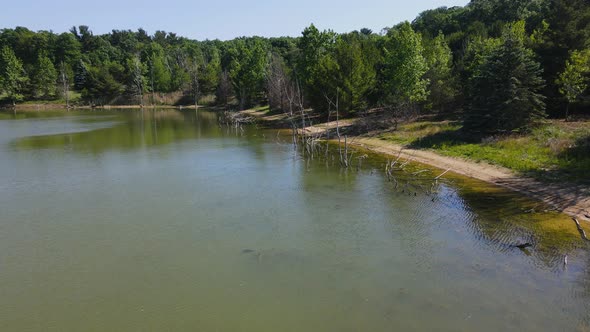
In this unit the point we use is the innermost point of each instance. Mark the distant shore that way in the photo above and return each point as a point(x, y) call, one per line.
point(50, 106)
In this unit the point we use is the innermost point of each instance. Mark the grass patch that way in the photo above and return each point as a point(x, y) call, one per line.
point(556, 150)
point(74, 98)
point(264, 108)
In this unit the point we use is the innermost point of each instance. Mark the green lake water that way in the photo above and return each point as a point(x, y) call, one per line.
point(170, 221)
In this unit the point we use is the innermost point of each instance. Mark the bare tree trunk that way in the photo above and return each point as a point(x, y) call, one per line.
point(152, 81)
point(301, 107)
point(224, 88)
point(242, 104)
point(65, 85)
point(138, 79)
point(197, 93)
point(289, 92)
point(196, 88)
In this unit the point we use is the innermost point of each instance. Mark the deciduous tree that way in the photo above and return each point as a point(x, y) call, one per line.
point(442, 88)
point(404, 67)
point(573, 81)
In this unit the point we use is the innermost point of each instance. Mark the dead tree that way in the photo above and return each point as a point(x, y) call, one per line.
point(276, 82)
point(300, 105)
point(294, 96)
point(138, 81)
point(192, 66)
point(65, 84)
point(224, 89)
point(336, 105)
point(194, 82)
point(152, 80)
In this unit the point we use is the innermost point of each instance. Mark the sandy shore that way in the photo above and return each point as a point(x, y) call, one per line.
point(572, 199)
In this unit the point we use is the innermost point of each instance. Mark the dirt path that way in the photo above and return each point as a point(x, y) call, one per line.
point(570, 198)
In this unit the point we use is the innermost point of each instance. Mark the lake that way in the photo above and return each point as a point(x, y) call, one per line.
point(167, 220)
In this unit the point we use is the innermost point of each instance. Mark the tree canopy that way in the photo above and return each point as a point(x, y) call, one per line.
point(443, 61)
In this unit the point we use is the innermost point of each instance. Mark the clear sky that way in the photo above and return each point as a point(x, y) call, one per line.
point(223, 19)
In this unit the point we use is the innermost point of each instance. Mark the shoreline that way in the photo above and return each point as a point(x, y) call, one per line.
point(40, 107)
point(569, 198)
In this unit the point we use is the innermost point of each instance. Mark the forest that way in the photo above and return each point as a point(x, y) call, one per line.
point(501, 65)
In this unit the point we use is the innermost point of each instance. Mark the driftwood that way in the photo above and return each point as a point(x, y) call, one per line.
point(581, 230)
point(237, 118)
point(440, 176)
point(405, 163)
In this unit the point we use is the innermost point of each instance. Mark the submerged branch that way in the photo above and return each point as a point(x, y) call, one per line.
point(440, 176)
point(581, 230)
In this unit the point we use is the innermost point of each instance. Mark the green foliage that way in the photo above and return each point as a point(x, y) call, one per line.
point(338, 65)
point(67, 49)
point(159, 70)
point(176, 62)
point(210, 70)
point(404, 66)
point(553, 148)
point(440, 20)
point(569, 21)
point(477, 50)
point(439, 59)
point(492, 11)
point(80, 75)
point(314, 61)
point(313, 45)
point(568, 30)
point(103, 83)
point(247, 69)
point(504, 94)
point(573, 81)
point(437, 63)
point(356, 57)
point(137, 82)
point(45, 77)
point(12, 75)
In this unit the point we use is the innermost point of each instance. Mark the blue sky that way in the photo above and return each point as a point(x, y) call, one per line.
point(223, 19)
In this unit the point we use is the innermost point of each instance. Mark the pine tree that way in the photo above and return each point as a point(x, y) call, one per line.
point(80, 75)
point(504, 94)
point(45, 77)
point(12, 75)
point(356, 73)
point(313, 61)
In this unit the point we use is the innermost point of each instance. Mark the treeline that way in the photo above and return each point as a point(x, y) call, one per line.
point(502, 64)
